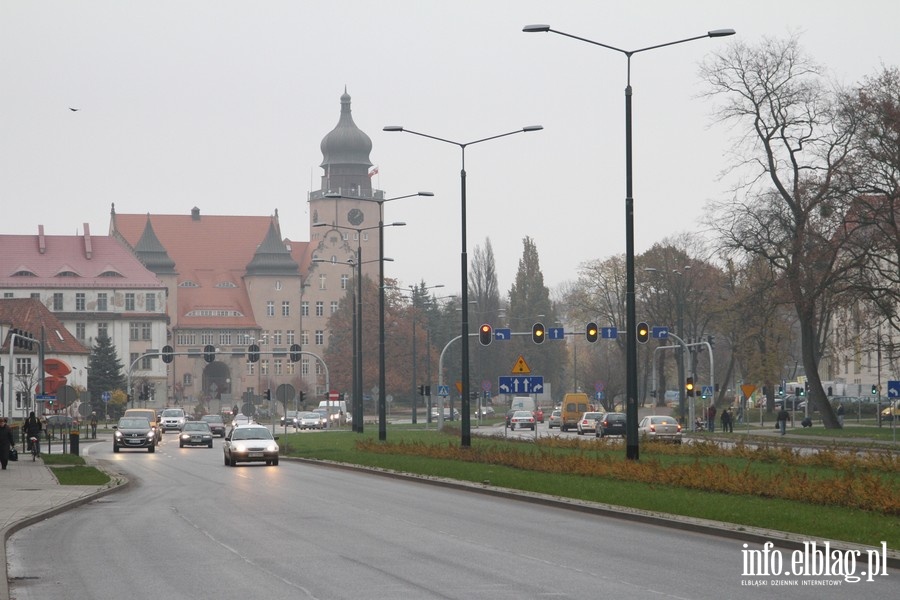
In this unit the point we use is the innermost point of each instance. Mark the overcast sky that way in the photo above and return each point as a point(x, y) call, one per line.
point(222, 105)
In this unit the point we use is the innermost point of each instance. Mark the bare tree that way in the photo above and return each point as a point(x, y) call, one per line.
point(788, 209)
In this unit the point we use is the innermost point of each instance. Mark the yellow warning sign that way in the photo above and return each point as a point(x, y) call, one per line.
point(748, 389)
point(521, 367)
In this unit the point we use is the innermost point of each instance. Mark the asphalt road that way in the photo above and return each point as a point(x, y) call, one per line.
point(192, 527)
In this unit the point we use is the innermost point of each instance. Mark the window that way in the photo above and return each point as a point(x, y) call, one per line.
point(344, 280)
point(334, 306)
point(188, 379)
point(304, 338)
point(35, 295)
point(102, 329)
point(140, 330)
point(270, 308)
point(80, 331)
point(285, 308)
point(150, 302)
point(264, 339)
point(290, 368)
point(79, 301)
point(57, 301)
point(304, 308)
point(320, 337)
point(129, 301)
point(276, 337)
point(23, 366)
point(225, 338)
point(250, 368)
point(279, 366)
point(21, 400)
point(8, 295)
point(132, 358)
point(278, 285)
point(186, 338)
point(290, 337)
point(320, 308)
point(322, 280)
point(102, 305)
point(146, 363)
point(264, 367)
point(207, 337)
point(304, 366)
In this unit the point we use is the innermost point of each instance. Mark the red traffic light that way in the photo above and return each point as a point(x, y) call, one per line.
point(486, 335)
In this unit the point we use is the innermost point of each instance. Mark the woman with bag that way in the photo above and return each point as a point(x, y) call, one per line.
point(7, 443)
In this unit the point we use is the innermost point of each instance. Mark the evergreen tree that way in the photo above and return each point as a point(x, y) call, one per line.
point(105, 372)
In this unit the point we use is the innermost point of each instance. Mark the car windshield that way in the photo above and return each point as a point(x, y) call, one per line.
point(592, 416)
point(173, 412)
point(195, 426)
point(615, 417)
point(309, 415)
point(134, 423)
point(251, 433)
point(662, 420)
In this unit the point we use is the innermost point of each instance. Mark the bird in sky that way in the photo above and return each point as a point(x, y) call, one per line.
point(73, 109)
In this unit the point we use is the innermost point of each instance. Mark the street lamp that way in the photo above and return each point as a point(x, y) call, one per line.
point(631, 415)
point(382, 412)
point(465, 426)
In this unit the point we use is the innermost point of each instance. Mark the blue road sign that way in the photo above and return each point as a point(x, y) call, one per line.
point(893, 389)
point(659, 332)
point(444, 390)
point(502, 334)
point(521, 384)
point(556, 333)
point(609, 333)
point(44, 397)
point(706, 390)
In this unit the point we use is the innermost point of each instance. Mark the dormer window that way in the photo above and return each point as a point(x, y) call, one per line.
point(188, 284)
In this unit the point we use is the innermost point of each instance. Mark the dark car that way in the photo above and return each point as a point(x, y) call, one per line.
point(195, 433)
point(610, 424)
point(249, 443)
point(134, 432)
point(216, 424)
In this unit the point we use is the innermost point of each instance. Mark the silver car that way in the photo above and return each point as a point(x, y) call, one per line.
point(249, 443)
point(658, 427)
point(311, 420)
point(588, 422)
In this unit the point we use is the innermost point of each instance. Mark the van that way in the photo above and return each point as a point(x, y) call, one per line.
point(337, 409)
point(573, 406)
point(150, 415)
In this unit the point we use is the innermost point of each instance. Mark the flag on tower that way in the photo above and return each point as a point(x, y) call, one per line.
point(373, 172)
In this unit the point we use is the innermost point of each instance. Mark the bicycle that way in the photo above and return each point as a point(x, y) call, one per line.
point(35, 447)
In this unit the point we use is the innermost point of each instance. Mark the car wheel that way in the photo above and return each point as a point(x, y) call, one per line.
point(115, 448)
point(512, 427)
point(580, 432)
point(275, 462)
point(180, 445)
point(209, 445)
point(227, 462)
point(151, 449)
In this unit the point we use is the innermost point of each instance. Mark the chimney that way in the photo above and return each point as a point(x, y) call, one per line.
point(88, 250)
point(42, 242)
point(195, 214)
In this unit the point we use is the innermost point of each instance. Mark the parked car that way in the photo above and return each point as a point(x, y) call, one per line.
point(59, 422)
point(555, 419)
point(523, 419)
point(611, 423)
point(249, 443)
point(216, 424)
point(134, 432)
point(587, 422)
point(311, 420)
point(172, 418)
point(195, 433)
point(657, 427)
point(485, 411)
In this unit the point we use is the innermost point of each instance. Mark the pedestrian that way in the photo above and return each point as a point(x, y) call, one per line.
point(6, 442)
point(782, 419)
point(711, 418)
point(33, 427)
point(727, 426)
point(840, 414)
point(94, 425)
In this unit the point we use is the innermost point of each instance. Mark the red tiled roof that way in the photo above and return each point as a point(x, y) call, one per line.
point(88, 257)
point(210, 251)
point(29, 314)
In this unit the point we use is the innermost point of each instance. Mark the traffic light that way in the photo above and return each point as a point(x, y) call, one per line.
point(874, 390)
point(643, 332)
point(168, 354)
point(537, 333)
point(268, 395)
point(689, 386)
point(421, 390)
point(801, 391)
point(486, 335)
point(253, 353)
point(591, 332)
point(209, 353)
point(295, 352)
point(302, 396)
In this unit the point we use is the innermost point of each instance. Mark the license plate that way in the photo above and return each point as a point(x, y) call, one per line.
point(256, 455)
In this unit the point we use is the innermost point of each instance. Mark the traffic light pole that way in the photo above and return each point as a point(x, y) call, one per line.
point(712, 373)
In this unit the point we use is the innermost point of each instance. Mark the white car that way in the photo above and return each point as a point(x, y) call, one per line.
point(522, 418)
point(588, 422)
point(658, 427)
point(172, 418)
point(311, 420)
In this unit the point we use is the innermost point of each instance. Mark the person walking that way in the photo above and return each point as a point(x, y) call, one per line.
point(6, 442)
point(726, 421)
point(94, 425)
point(33, 427)
point(782, 419)
point(711, 418)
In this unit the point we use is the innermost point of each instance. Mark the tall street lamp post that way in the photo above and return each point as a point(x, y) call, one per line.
point(465, 426)
point(631, 415)
point(382, 411)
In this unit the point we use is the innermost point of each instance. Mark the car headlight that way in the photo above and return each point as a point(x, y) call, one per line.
point(118, 434)
point(240, 448)
point(185, 436)
point(273, 447)
point(150, 435)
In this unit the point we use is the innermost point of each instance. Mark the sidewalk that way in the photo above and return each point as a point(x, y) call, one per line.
point(30, 493)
